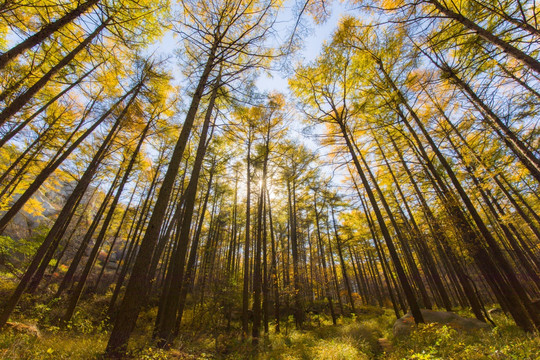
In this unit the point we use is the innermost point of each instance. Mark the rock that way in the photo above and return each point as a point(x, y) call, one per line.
point(404, 325)
point(21, 328)
point(49, 200)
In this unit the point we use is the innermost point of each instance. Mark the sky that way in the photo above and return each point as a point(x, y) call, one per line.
point(313, 38)
point(312, 43)
point(317, 35)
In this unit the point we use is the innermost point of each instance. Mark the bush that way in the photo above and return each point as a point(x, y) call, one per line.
point(434, 341)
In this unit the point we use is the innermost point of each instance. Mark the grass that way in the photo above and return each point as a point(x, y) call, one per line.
point(52, 345)
point(340, 342)
point(432, 341)
point(208, 338)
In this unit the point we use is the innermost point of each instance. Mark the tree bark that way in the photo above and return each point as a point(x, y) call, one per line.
point(25, 97)
point(45, 32)
point(136, 290)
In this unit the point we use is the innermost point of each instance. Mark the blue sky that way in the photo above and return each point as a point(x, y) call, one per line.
point(312, 43)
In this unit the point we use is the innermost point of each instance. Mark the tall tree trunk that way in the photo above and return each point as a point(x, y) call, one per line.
point(45, 32)
point(298, 306)
point(133, 239)
point(76, 294)
point(257, 274)
point(522, 152)
point(57, 161)
point(245, 289)
point(322, 255)
point(430, 263)
point(274, 273)
point(116, 235)
point(507, 48)
point(333, 265)
point(497, 269)
point(190, 267)
point(342, 262)
point(18, 103)
point(389, 279)
point(439, 237)
point(60, 222)
point(136, 290)
point(415, 274)
point(166, 329)
point(8, 136)
point(407, 289)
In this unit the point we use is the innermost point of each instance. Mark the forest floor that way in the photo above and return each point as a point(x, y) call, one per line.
point(206, 335)
point(368, 336)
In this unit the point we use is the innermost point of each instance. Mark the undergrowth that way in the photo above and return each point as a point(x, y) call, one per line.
point(357, 337)
point(433, 341)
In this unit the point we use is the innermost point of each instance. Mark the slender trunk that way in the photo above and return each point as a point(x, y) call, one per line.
point(342, 262)
point(327, 291)
point(298, 306)
point(333, 265)
point(75, 295)
point(70, 274)
point(190, 267)
point(245, 289)
point(257, 276)
point(23, 124)
point(440, 238)
point(507, 48)
point(361, 278)
point(116, 235)
point(165, 237)
point(415, 274)
point(60, 222)
point(56, 162)
point(134, 236)
point(136, 290)
point(407, 289)
point(74, 230)
point(274, 270)
point(522, 152)
point(498, 270)
point(166, 329)
point(18, 103)
point(45, 32)
point(430, 263)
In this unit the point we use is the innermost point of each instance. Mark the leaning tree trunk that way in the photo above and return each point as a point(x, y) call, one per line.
point(165, 331)
point(136, 290)
point(45, 32)
point(18, 103)
point(8, 136)
point(57, 161)
point(327, 291)
point(76, 294)
point(407, 289)
point(507, 48)
point(493, 263)
point(59, 223)
point(342, 262)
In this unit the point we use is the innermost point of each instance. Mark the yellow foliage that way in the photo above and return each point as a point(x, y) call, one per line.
point(33, 207)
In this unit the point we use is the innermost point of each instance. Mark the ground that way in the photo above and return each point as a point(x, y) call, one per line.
point(368, 336)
